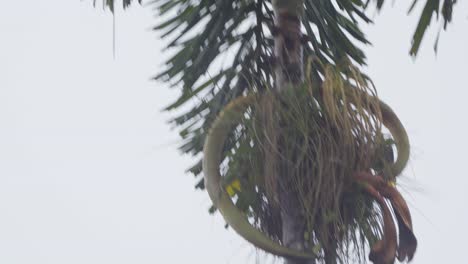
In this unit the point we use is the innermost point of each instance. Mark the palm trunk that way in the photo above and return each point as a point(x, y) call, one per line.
point(288, 44)
point(288, 73)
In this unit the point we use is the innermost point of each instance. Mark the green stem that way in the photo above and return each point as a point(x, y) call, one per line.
point(212, 152)
point(214, 143)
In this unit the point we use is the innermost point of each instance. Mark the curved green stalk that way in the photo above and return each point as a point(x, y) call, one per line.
point(212, 158)
point(391, 121)
point(213, 147)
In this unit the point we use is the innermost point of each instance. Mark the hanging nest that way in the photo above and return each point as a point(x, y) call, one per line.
point(319, 154)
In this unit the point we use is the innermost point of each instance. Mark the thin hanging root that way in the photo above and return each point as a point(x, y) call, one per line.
point(213, 148)
point(384, 251)
point(407, 240)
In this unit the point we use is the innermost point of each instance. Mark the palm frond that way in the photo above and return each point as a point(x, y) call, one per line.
point(202, 33)
point(437, 8)
point(111, 3)
point(224, 49)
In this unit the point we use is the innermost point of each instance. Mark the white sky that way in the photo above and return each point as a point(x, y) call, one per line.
point(89, 171)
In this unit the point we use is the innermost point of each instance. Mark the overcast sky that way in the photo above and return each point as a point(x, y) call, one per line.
point(89, 170)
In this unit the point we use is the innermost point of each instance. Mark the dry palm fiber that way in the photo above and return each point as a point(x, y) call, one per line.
point(317, 137)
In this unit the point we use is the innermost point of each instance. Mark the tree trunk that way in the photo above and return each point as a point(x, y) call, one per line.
point(288, 73)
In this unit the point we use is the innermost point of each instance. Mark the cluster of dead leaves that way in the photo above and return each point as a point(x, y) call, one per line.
point(389, 247)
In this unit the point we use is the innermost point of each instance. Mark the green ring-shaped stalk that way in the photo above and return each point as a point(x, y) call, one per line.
point(212, 152)
point(390, 120)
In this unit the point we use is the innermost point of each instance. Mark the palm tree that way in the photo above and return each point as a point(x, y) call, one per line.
point(294, 124)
